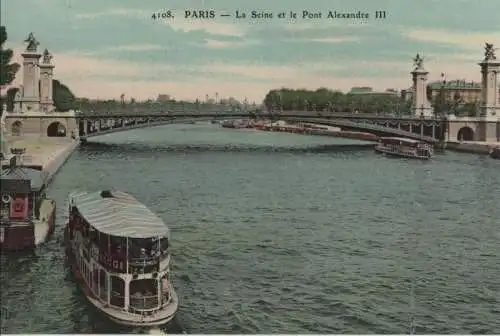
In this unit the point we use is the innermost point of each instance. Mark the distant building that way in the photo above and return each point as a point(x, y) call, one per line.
point(163, 97)
point(365, 90)
point(458, 89)
point(361, 90)
point(466, 92)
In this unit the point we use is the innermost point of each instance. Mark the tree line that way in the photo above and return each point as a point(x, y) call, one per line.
point(324, 99)
point(63, 98)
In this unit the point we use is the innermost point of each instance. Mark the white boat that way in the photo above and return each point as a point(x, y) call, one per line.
point(119, 253)
point(406, 148)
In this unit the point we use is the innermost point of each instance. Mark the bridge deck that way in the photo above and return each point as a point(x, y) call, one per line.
point(118, 124)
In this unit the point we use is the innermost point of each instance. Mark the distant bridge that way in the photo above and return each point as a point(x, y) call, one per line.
point(99, 123)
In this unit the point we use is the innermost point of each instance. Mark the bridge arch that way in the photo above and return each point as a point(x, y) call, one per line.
point(465, 133)
point(56, 129)
point(16, 127)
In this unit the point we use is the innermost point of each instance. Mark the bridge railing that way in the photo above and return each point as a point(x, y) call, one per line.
point(220, 113)
point(179, 108)
point(157, 109)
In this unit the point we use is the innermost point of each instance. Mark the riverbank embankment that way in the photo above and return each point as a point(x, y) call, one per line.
point(473, 147)
point(44, 153)
point(301, 128)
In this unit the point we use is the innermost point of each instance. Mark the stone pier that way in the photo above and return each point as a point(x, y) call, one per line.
point(421, 106)
point(48, 136)
point(34, 110)
point(485, 125)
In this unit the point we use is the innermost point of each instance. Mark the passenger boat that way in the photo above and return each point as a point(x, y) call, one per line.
point(27, 216)
point(495, 153)
point(118, 251)
point(407, 148)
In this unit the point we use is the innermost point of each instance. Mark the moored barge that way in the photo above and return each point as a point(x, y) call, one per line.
point(119, 253)
point(27, 216)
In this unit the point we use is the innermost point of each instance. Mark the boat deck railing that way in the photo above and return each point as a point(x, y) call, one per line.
point(117, 300)
point(143, 261)
point(144, 265)
point(142, 303)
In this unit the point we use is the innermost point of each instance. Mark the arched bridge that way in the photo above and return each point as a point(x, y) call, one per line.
point(95, 124)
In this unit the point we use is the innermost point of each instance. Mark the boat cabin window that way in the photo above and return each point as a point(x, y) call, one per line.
point(144, 294)
point(142, 248)
point(117, 297)
point(93, 235)
point(143, 255)
point(117, 246)
point(102, 242)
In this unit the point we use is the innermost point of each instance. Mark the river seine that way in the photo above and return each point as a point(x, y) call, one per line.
point(283, 233)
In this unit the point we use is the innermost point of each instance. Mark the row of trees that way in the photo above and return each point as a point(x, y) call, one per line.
point(62, 96)
point(327, 100)
point(335, 101)
point(131, 103)
point(113, 104)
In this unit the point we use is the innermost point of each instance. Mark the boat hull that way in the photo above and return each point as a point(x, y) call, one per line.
point(161, 317)
point(495, 154)
point(401, 155)
point(23, 237)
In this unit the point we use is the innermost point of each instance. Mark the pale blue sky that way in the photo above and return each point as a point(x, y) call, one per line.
point(104, 48)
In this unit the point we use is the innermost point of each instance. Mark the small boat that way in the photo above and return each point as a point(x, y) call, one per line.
point(495, 153)
point(118, 251)
point(27, 216)
point(228, 124)
point(236, 124)
point(406, 148)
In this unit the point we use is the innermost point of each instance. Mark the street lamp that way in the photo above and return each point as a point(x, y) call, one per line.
point(442, 96)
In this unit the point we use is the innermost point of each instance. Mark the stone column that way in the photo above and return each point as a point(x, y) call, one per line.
point(490, 67)
point(421, 106)
point(489, 112)
point(4, 146)
point(31, 90)
point(46, 77)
